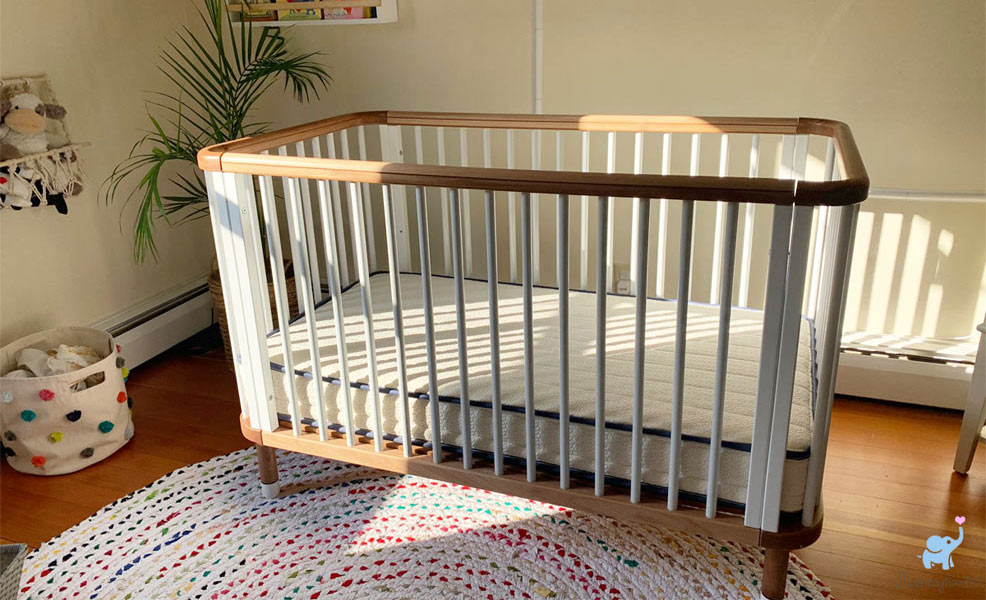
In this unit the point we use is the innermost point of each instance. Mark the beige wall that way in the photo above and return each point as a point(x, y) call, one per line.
point(75, 269)
point(908, 76)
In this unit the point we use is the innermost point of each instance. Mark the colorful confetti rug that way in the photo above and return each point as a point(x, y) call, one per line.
point(344, 531)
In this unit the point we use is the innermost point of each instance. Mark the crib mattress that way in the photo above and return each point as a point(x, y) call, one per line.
point(700, 362)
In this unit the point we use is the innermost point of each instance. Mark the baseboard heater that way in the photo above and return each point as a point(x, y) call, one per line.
point(154, 326)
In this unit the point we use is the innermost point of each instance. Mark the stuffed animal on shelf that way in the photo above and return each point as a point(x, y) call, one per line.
point(24, 126)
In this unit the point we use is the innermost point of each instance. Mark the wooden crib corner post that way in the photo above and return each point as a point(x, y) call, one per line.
point(774, 574)
point(270, 484)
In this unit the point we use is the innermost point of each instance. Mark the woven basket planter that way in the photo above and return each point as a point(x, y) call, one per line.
point(216, 290)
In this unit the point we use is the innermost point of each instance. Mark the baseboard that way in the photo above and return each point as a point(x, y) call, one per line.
point(939, 384)
point(151, 327)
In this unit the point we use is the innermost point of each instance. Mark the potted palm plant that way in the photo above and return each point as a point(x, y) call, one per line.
point(218, 77)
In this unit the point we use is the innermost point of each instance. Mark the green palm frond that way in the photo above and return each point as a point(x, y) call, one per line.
point(217, 75)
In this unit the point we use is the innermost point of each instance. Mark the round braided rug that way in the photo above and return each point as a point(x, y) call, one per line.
point(344, 531)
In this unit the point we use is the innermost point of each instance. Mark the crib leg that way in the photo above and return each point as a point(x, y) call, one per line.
point(774, 576)
point(269, 484)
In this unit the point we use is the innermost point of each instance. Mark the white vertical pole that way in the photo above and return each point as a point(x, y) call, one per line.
point(563, 358)
point(837, 278)
point(512, 210)
point(493, 289)
point(467, 229)
point(678, 379)
point(273, 232)
point(396, 303)
point(722, 355)
point(307, 298)
point(306, 206)
point(611, 216)
point(748, 224)
point(638, 168)
point(536, 209)
point(362, 263)
point(819, 236)
point(367, 202)
point(446, 241)
point(330, 146)
point(720, 208)
point(292, 234)
point(662, 217)
point(429, 313)
point(330, 227)
point(461, 329)
point(602, 232)
point(584, 221)
point(642, 230)
point(527, 274)
point(392, 150)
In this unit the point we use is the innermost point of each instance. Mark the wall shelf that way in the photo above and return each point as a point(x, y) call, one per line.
point(386, 12)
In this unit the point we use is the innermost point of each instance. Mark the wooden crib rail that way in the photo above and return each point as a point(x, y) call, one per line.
point(244, 156)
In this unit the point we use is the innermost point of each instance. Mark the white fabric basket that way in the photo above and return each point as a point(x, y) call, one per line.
point(50, 429)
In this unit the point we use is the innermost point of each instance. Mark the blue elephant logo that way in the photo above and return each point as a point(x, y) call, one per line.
point(938, 549)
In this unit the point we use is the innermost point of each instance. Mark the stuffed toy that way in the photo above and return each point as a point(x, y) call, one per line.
point(24, 126)
point(20, 187)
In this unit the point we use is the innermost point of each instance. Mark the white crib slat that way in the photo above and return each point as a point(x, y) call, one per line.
point(584, 221)
point(536, 209)
point(642, 230)
point(273, 232)
point(770, 342)
point(492, 284)
point(419, 154)
point(340, 221)
point(512, 210)
point(678, 379)
point(217, 204)
point(363, 265)
point(307, 298)
point(464, 205)
point(722, 356)
point(429, 314)
point(306, 206)
point(790, 332)
point(662, 217)
point(638, 168)
point(295, 257)
point(602, 232)
point(367, 202)
point(819, 235)
point(461, 328)
point(330, 227)
point(392, 150)
point(528, 284)
point(837, 274)
point(396, 303)
point(563, 359)
point(611, 216)
point(446, 239)
point(748, 225)
point(720, 210)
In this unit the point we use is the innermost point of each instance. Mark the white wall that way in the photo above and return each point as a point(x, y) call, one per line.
point(100, 56)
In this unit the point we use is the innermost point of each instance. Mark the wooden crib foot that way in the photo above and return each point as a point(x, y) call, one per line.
point(270, 485)
point(774, 576)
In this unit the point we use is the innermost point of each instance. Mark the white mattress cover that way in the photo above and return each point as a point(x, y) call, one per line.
point(702, 330)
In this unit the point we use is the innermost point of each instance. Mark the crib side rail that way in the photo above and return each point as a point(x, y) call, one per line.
point(332, 237)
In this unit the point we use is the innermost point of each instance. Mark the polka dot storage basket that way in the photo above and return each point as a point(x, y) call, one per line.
point(50, 426)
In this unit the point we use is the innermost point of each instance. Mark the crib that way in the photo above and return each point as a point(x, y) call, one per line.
point(549, 307)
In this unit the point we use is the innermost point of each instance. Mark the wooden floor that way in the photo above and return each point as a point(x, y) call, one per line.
point(888, 483)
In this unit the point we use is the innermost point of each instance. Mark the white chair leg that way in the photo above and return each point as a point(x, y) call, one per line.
point(975, 411)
